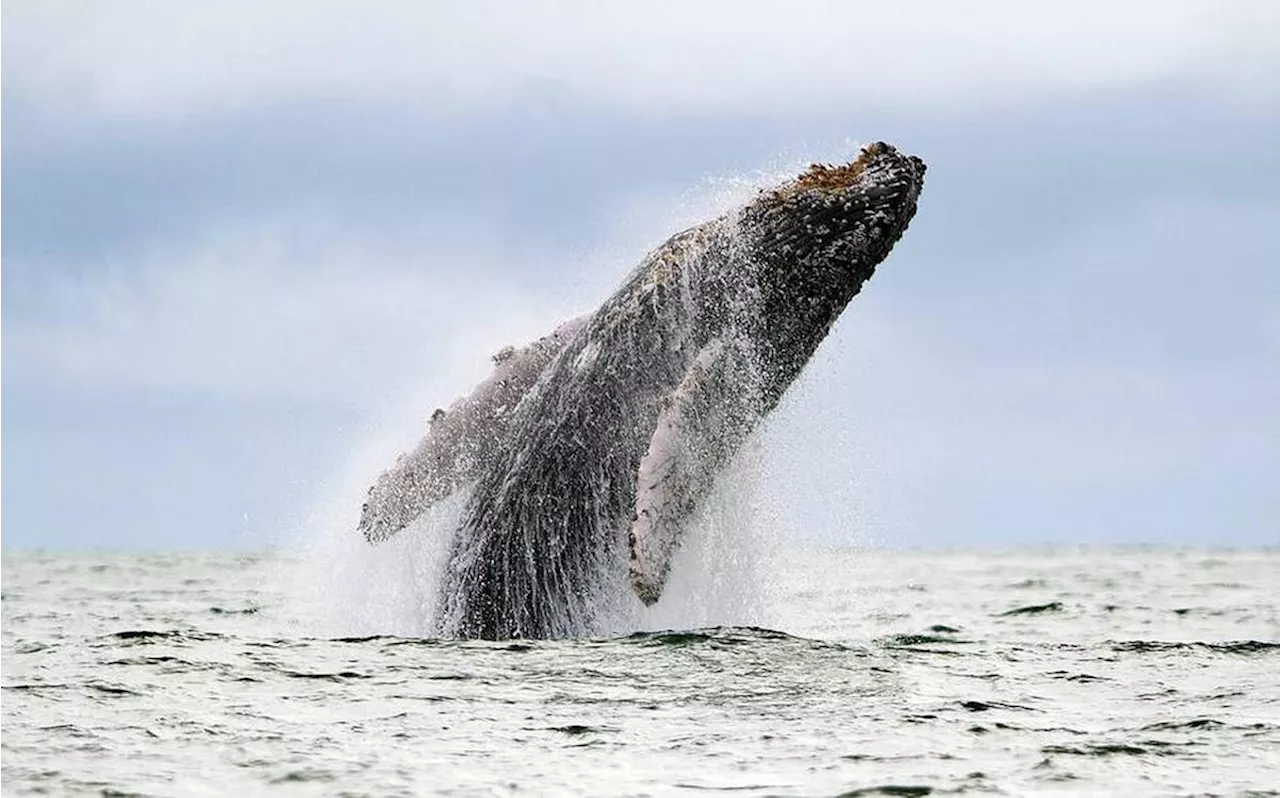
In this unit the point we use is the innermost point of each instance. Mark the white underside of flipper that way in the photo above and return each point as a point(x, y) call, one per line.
point(457, 447)
point(700, 427)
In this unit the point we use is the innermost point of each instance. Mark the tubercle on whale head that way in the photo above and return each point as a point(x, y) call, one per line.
point(881, 175)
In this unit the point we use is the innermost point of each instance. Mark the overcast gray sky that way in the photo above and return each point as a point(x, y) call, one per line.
point(249, 247)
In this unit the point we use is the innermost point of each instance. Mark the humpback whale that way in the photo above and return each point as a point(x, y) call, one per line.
point(581, 459)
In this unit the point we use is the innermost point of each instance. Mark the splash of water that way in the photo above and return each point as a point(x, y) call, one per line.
point(396, 586)
point(716, 577)
point(338, 585)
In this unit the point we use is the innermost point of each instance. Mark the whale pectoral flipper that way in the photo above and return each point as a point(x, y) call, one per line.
point(460, 442)
point(699, 428)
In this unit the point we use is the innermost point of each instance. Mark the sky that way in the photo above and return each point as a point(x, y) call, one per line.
point(249, 247)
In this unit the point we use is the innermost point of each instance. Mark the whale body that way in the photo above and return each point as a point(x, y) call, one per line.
point(584, 456)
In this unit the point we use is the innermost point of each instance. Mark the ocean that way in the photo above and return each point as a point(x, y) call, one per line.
point(1045, 671)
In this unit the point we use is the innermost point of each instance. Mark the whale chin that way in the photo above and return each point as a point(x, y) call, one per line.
point(587, 454)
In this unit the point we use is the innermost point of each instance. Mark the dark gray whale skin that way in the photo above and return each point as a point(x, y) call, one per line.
point(624, 418)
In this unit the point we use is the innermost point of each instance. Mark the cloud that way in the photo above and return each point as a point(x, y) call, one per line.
point(243, 316)
point(76, 188)
point(152, 58)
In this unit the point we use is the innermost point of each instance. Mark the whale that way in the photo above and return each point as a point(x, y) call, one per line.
point(581, 462)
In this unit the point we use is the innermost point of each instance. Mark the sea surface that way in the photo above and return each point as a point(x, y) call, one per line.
point(1056, 671)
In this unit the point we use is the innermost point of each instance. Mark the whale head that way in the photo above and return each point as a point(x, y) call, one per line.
point(816, 239)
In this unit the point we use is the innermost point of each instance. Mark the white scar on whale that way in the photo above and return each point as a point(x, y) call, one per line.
point(583, 458)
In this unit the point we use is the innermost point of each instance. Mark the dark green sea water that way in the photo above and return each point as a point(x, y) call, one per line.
point(1098, 671)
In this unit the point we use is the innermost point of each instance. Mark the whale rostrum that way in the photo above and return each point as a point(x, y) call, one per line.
point(582, 459)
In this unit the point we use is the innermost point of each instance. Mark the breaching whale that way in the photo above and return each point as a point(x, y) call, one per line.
point(581, 459)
